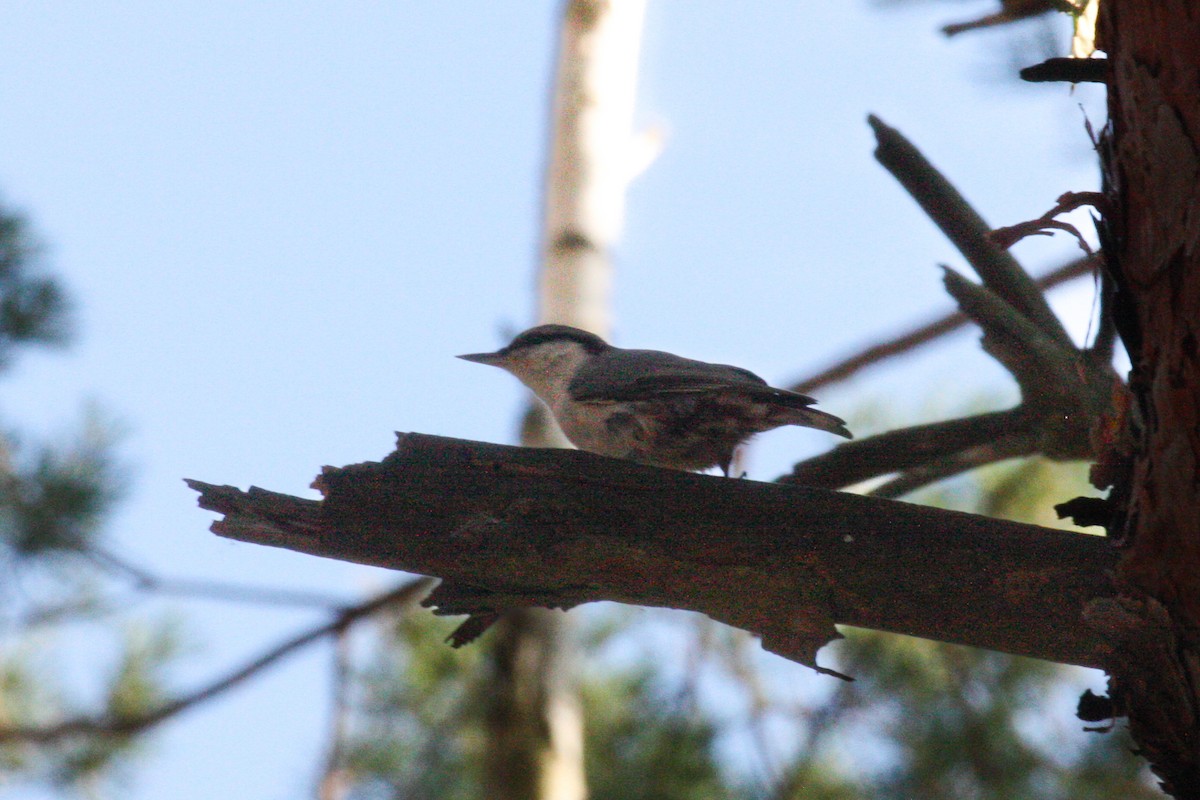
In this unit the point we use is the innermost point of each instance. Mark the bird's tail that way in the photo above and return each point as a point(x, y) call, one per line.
point(792, 408)
point(812, 418)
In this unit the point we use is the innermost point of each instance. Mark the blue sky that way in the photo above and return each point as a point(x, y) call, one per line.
point(281, 221)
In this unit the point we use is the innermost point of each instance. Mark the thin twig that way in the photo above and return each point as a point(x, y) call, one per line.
point(69, 612)
point(1044, 225)
point(127, 726)
point(146, 581)
point(1010, 11)
point(923, 334)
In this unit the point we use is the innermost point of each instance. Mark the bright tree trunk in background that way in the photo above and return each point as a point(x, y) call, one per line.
point(592, 159)
point(1152, 160)
point(535, 743)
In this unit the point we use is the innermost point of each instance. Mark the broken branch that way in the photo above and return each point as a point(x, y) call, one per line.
point(506, 526)
point(964, 227)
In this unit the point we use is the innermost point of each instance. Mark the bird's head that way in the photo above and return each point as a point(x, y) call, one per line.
point(544, 358)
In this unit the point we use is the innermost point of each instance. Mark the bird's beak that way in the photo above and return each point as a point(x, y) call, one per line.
point(491, 359)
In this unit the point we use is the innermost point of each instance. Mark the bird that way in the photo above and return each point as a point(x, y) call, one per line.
point(649, 406)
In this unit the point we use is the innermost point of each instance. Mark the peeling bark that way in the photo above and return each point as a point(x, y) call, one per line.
point(1152, 168)
point(509, 527)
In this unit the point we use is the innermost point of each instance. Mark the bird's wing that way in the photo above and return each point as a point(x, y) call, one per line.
point(630, 375)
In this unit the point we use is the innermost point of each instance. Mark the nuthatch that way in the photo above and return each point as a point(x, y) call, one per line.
point(646, 405)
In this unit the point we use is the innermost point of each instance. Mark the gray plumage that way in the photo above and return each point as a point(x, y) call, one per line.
point(647, 405)
point(619, 374)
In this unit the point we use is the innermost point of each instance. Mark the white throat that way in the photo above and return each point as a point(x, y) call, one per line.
point(548, 368)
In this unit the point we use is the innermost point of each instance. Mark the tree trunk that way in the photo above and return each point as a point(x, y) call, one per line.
point(535, 746)
point(1152, 245)
point(534, 724)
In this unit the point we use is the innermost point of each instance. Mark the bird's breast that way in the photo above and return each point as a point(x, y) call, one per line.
point(607, 428)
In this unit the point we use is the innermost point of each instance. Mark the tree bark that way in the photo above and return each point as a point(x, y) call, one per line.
point(1152, 171)
point(507, 527)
